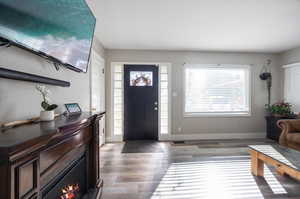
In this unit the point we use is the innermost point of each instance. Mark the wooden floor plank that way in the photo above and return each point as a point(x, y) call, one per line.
point(148, 175)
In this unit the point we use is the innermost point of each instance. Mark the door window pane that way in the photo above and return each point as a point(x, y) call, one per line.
point(141, 78)
point(118, 100)
point(164, 77)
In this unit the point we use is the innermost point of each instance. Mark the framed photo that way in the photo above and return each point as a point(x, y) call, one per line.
point(73, 108)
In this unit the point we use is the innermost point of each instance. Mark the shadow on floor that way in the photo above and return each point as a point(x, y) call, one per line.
point(142, 147)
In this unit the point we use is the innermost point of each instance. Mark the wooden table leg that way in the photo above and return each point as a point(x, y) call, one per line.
point(257, 165)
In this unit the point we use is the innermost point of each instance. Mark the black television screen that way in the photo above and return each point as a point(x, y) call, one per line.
point(61, 30)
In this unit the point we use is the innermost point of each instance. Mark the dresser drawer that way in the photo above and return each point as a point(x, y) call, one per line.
point(26, 178)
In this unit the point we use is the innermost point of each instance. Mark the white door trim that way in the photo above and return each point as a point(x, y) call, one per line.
point(94, 53)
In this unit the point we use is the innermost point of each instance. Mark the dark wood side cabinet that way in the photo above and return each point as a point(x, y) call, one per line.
point(36, 159)
point(273, 131)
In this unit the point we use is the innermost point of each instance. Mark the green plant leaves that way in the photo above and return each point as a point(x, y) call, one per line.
point(281, 109)
point(48, 107)
point(44, 105)
point(52, 107)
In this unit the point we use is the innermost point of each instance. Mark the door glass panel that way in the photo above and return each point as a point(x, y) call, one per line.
point(164, 77)
point(141, 78)
point(118, 84)
point(164, 100)
point(118, 76)
point(118, 99)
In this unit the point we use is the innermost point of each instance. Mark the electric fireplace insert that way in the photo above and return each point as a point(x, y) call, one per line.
point(70, 184)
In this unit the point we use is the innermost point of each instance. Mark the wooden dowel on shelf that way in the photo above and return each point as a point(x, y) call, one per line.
point(20, 122)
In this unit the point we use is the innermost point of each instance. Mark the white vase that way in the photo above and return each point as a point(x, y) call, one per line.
point(47, 115)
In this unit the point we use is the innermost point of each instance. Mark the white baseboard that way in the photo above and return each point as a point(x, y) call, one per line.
point(201, 136)
point(212, 136)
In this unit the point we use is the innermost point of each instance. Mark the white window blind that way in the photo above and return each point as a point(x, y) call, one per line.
point(217, 90)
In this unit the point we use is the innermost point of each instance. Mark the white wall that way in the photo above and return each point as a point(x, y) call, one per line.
point(291, 56)
point(20, 100)
point(254, 125)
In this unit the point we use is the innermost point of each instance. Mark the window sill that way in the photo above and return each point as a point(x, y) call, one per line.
point(220, 115)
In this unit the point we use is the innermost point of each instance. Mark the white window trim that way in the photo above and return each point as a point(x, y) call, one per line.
point(114, 137)
point(218, 114)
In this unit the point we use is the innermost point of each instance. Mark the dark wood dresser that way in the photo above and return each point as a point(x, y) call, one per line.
point(52, 160)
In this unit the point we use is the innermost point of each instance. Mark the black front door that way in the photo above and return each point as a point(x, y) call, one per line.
point(140, 102)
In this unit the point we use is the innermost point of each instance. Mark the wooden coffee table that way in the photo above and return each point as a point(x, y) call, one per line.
point(285, 160)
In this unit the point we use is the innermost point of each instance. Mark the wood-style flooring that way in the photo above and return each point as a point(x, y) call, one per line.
point(197, 169)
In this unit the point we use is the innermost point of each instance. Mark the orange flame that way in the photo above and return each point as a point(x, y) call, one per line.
point(69, 192)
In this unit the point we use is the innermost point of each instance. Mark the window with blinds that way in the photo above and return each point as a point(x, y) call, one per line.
point(217, 90)
point(292, 85)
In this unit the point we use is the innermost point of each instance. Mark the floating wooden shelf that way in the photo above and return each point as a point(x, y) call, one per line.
point(16, 75)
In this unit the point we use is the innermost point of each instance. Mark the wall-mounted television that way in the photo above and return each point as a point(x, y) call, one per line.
point(59, 30)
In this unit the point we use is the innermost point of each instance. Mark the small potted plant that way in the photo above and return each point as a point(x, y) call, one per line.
point(48, 113)
point(281, 109)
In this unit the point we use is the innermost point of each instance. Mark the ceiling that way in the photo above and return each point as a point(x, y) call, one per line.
point(206, 25)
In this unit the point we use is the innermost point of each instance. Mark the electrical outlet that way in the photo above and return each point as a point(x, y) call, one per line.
point(179, 129)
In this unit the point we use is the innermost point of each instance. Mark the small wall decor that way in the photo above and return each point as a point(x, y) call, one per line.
point(266, 75)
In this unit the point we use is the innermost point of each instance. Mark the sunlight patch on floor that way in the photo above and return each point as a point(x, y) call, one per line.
point(226, 179)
